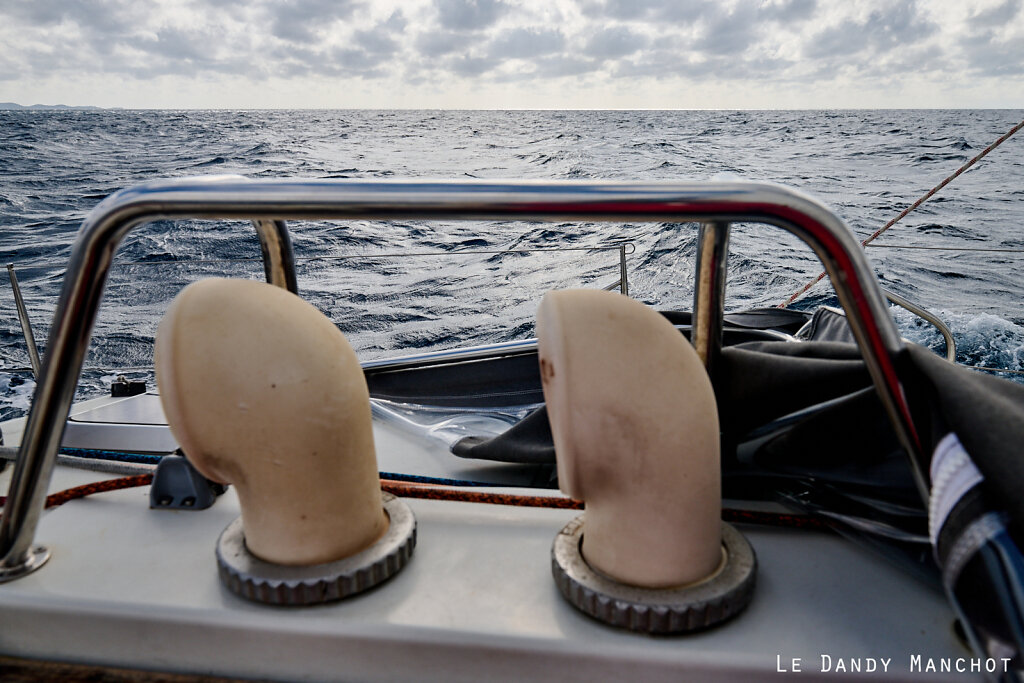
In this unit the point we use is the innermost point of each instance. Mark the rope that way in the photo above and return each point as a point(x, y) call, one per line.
point(58, 499)
point(407, 490)
point(429, 492)
point(800, 292)
point(433, 492)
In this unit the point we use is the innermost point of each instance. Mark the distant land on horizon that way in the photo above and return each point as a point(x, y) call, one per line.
point(15, 105)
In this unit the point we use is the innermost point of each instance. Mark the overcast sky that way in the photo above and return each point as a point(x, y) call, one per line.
point(513, 53)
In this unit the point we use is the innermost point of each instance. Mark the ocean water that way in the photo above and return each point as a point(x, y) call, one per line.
point(373, 280)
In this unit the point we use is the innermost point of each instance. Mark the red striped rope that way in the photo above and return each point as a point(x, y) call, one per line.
point(434, 492)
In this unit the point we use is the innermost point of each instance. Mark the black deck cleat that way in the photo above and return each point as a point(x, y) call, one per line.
point(177, 485)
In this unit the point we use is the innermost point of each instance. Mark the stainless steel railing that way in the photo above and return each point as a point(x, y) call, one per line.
point(26, 323)
point(930, 318)
point(268, 203)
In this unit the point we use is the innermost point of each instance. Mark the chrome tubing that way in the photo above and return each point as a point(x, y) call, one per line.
point(709, 292)
point(278, 257)
point(519, 347)
point(26, 323)
point(269, 202)
point(623, 276)
point(927, 316)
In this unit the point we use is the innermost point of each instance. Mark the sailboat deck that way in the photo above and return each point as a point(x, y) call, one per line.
point(136, 587)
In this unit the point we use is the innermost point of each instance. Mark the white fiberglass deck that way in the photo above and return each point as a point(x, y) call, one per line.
point(135, 587)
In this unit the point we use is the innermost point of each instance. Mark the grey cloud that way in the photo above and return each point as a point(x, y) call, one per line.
point(43, 12)
point(295, 60)
point(899, 24)
point(444, 43)
point(747, 69)
point(166, 67)
point(9, 70)
point(667, 64)
point(790, 11)
point(375, 41)
point(379, 40)
point(693, 11)
point(105, 17)
point(231, 67)
point(557, 66)
point(109, 27)
point(836, 41)
point(665, 43)
point(914, 60)
point(472, 66)
point(297, 21)
point(553, 66)
point(986, 55)
point(989, 57)
point(684, 12)
point(41, 61)
point(648, 10)
point(730, 33)
point(396, 22)
point(293, 69)
point(624, 10)
point(522, 43)
point(185, 51)
point(355, 60)
point(179, 45)
point(995, 16)
point(469, 15)
point(658, 63)
point(170, 51)
point(369, 51)
point(612, 43)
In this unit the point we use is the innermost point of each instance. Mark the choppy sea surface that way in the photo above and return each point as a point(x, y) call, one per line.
point(403, 286)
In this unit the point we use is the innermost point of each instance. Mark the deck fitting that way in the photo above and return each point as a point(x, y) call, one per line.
point(260, 581)
point(682, 609)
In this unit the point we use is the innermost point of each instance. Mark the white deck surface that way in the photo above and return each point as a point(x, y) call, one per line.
point(135, 587)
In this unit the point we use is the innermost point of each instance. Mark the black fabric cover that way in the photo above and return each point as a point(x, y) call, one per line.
point(760, 381)
point(528, 441)
point(987, 414)
point(828, 324)
point(861, 450)
point(778, 319)
point(489, 382)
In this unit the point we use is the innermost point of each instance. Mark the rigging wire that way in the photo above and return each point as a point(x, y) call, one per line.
point(803, 290)
point(994, 250)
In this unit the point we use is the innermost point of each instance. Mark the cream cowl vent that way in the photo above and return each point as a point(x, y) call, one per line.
point(263, 392)
point(636, 435)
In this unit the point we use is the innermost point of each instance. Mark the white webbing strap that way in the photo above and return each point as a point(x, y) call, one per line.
point(953, 474)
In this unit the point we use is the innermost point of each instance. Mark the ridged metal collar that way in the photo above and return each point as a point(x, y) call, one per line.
point(655, 610)
point(260, 581)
